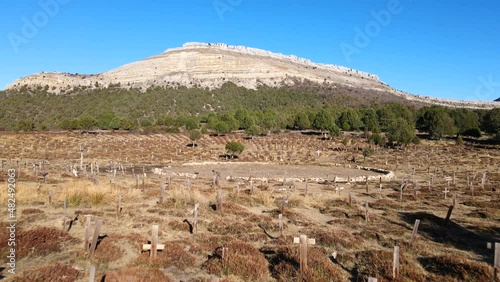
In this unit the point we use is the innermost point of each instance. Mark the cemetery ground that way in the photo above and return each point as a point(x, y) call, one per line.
point(291, 207)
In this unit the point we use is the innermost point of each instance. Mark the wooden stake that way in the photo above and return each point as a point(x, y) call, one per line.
point(284, 201)
point(448, 215)
point(415, 230)
point(280, 216)
point(303, 241)
point(97, 231)
point(195, 221)
point(154, 241)
point(65, 214)
point(87, 234)
point(162, 194)
point(366, 211)
point(118, 205)
point(395, 263)
point(92, 273)
point(496, 262)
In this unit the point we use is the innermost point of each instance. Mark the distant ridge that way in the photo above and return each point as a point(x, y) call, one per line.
point(497, 100)
point(211, 65)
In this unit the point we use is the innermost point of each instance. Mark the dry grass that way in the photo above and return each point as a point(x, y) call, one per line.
point(57, 272)
point(41, 241)
point(137, 274)
point(240, 259)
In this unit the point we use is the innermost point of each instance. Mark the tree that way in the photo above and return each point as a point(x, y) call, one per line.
point(301, 121)
point(221, 127)
point(467, 122)
point(349, 120)
point(254, 130)
point(370, 120)
point(400, 131)
point(436, 121)
point(235, 148)
point(88, 122)
point(25, 125)
point(194, 135)
point(323, 120)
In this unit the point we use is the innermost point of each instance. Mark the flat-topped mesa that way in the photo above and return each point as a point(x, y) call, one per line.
point(279, 56)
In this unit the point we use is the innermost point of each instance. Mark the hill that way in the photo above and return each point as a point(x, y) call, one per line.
point(209, 66)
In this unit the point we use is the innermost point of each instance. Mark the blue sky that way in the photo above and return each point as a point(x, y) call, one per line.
point(446, 48)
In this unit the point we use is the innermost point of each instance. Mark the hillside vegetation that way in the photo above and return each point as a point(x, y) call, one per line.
point(231, 108)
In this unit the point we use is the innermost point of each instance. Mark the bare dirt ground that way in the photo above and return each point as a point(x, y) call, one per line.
point(247, 223)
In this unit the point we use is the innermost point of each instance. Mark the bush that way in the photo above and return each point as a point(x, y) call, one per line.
point(235, 148)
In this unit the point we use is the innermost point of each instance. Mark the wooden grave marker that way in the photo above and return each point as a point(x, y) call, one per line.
point(153, 247)
point(118, 205)
point(395, 263)
point(496, 262)
point(92, 273)
point(283, 202)
point(415, 230)
point(93, 245)
point(87, 233)
point(303, 242)
point(280, 217)
point(195, 221)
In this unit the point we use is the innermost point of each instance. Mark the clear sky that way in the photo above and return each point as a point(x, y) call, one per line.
point(440, 48)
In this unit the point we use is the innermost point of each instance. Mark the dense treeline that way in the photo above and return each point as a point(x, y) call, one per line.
point(234, 108)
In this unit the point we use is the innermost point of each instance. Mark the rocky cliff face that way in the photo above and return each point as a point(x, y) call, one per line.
point(211, 65)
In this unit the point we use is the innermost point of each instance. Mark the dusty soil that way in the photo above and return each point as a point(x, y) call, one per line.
point(247, 222)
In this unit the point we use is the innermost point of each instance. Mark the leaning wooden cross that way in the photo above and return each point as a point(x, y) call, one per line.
point(303, 241)
point(154, 246)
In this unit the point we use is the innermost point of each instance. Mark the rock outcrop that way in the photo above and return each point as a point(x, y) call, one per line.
point(209, 65)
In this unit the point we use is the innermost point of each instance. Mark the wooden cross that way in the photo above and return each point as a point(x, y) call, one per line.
point(303, 241)
point(446, 191)
point(318, 153)
point(154, 246)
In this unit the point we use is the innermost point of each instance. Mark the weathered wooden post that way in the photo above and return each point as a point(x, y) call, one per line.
point(118, 205)
point(154, 247)
point(154, 241)
point(162, 194)
point(64, 215)
point(350, 199)
point(415, 230)
point(97, 231)
point(284, 201)
point(395, 263)
point(303, 241)
point(50, 197)
point(92, 273)
point(366, 211)
point(307, 186)
point(280, 216)
point(220, 201)
point(87, 234)
point(496, 262)
point(238, 188)
point(195, 221)
point(448, 215)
